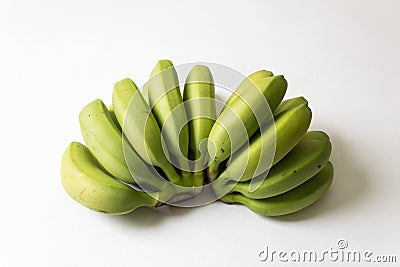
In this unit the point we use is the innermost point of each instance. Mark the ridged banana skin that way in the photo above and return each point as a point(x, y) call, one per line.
point(289, 104)
point(294, 200)
point(145, 93)
point(290, 133)
point(304, 161)
point(129, 105)
point(249, 80)
point(112, 114)
point(104, 139)
point(241, 111)
point(86, 183)
point(166, 101)
point(290, 126)
point(259, 75)
point(199, 96)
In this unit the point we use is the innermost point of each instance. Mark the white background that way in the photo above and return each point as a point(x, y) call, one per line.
point(56, 56)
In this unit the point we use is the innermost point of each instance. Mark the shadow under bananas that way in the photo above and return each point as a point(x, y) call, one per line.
point(349, 186)
point(148, 217)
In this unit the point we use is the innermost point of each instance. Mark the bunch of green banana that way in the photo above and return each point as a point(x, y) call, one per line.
point(160, 146)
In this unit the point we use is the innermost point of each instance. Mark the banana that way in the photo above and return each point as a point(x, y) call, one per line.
point(291, 123)
point(248, 81)
point(248, 110)
point(86, 183)
point(303, 162)
point(289, 134)
point(166, 102)
point(291, 201)
point(104, 139)
point(199, 99)
point(140, 127)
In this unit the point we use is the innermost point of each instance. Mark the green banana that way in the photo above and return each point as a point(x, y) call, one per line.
point(199, 99)
point(104, 139)
point(250, 109)
point(289, 134)
point(303, 162)
point(167, 106)
point(140, 127)
point(291, 123)
point(294, 200)
point(248, 81)
point(86, 183)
